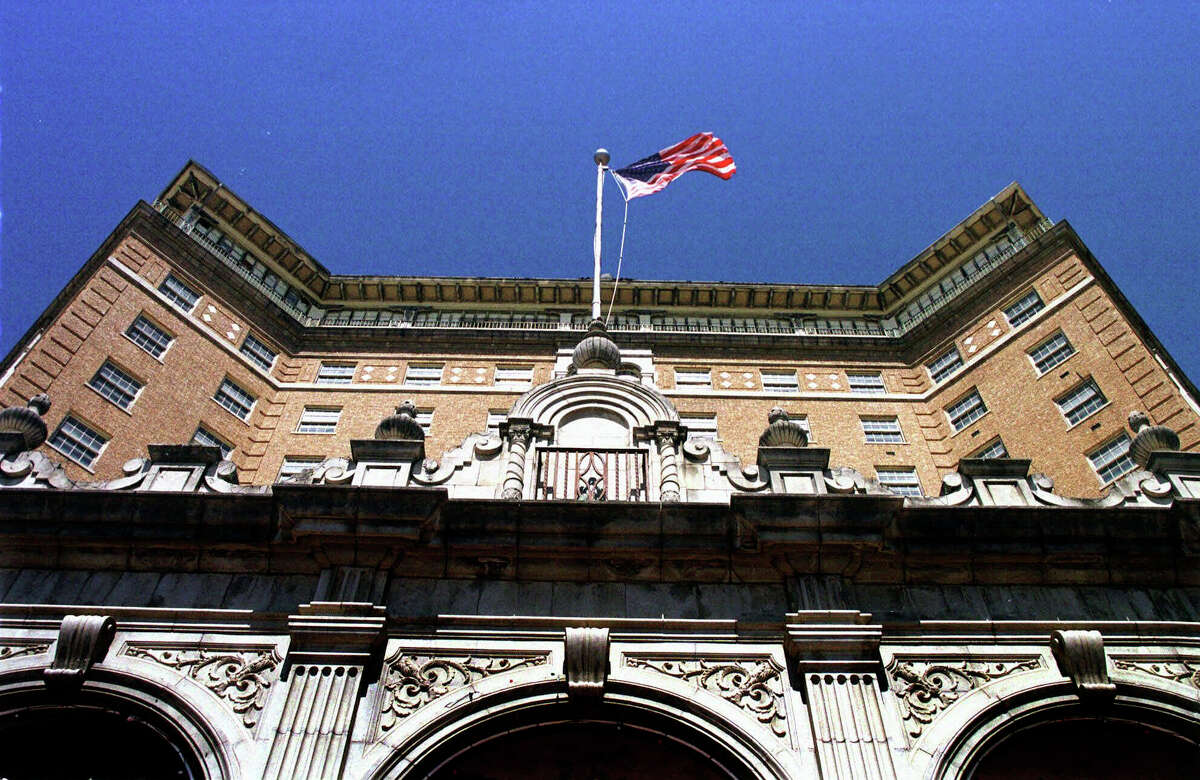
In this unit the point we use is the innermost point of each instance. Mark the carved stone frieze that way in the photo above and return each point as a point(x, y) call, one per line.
point(755, 685)
point(924, 689)
point(16, 651)
point(410, 681)
point(1185, 672)
point(242, 678)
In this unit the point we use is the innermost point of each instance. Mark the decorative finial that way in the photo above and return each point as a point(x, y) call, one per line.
point(22, 427)
point(402, 425)
point(596, 349)
point(1149, 438)
point(782, 432)
point(601, 157)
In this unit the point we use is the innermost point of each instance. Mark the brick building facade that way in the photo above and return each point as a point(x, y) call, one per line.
point(769, 494)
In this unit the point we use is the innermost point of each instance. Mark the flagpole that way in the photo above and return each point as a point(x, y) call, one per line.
point(601, 157)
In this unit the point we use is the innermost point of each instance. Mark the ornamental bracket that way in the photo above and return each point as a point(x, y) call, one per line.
point(83, 641)
point(586, 663)
point(1080, 656)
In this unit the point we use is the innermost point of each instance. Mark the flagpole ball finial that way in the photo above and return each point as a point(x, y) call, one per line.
point(601, 157)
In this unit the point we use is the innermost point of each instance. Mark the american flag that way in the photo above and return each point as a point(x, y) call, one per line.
point(701, 152)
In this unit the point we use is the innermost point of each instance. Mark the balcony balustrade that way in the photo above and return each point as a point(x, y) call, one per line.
point(591, 474)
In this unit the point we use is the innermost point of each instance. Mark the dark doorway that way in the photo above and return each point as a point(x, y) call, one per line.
point(1091, 748)
point(581, 751)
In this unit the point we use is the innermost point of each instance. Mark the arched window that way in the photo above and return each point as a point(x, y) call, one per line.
point(593, 427)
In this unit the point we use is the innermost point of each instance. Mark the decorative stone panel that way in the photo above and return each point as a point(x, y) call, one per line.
point(241, 678)
point(924, 689)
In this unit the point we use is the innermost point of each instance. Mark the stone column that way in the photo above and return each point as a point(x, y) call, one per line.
point(518, 433)
point(667, 436)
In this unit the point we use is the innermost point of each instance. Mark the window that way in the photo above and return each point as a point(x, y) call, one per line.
point(513, 376)
point(148, 336)
point(425, 419)
point(780, 381)
point(234, 399)
point(209, 439)
point(259, 353)
point(700, 425)
point(319, 420)
point(179, 293)
point(1111, 459)
point(1051, 352)
point(1024, 309)
point(78, 442)
point(1081, 402)
point(424, 375)
point(866, 384)
point(494, 418)
point(115, 385)
point(945, 366)
point(335, 373)
point(993, 449)
point(882, 430)
point(899, 480)
point(693, 379)
point(294, 464)
point(966, 411)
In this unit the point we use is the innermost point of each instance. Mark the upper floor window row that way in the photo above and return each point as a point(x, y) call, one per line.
point(882, 430)
point(966, 410)
point(866, 384)
point(1081, 402)
point(115, 385)
point(78, 441)
point(513, 376)
point(149, 336)
point(179, 293)
point(259, 353)
point(335, 373)
point(1024, 309)
point(423, 374)
point(1051, 352)
point(1111, 459)
point(945, 366)
point(234, 399)
point(693, 378)
point(780, 381)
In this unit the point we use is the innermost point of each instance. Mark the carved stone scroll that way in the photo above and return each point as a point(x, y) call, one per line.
point(923, 690)
point(241, 677)
point(82, 641)
point(754, 685)
point(586, 662)
point(1080, 656)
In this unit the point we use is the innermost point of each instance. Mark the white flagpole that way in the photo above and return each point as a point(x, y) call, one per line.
point(601, 157)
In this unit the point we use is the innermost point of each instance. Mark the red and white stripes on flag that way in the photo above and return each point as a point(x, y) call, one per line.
point(701, 152)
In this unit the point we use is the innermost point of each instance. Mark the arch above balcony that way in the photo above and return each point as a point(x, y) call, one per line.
point(610, 396)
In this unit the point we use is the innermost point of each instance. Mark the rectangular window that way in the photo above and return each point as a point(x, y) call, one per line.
point(425, 420)
point(780, 381)
point(513, 376)
point(209, 439)
point(1081, 402)
point(234, 399)
point(294, 464)
point(494, 418)
point(1111, 459)
point(993, 449)
point(115, 385)
point(966, 411)
point(335, 373)
point(1024, 309)
point(901, 481)
point(693, 379)
point(866, 384)
point(179, 293)
point(78, 442)
point(148, 336)
point(1051, 352)
point(423, 374)
point(700, 425)
point(945, 366)
point(259, 353)
point(319, 420)
point(882, 430)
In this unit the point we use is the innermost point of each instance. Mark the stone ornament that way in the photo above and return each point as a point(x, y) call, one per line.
point(1149, 438)
point(82, 641)
point(924, 689)
point(596, 349)
point(16, 651)
point(782, 432)
point(1184, 672)
point(585, 664)
point(22, 428)
point(401, 426)
point(241, 677)
point(410, 681)
point(754, 685)
point(1080, 656)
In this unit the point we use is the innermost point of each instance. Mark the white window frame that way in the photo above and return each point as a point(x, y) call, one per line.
point(294, 464)
point(116, 385)
point(334, 373)
point(779, 381)
point(882, 430)
point(319, 420)
point(1061, 353)
point(424, 419)
point(256, 351)
point(945, 366)
point(76, 442)
point(213, 440)
point(1024, 309)
point(518, 375)
point(1114, 452)
point(901, 480)
point(700, 425)
point(693, 379)
point(424, 374)
point(494, 418)
point(995, 442)
point(233, 391)
point(171, 288)
point(157, 334)
point(869, 382)
point(1081, 402)
point(959, 420)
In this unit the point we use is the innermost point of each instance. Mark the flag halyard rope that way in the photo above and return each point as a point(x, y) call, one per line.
point(620, 252)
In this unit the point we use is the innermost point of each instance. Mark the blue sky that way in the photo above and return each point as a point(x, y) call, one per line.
point(400, 139)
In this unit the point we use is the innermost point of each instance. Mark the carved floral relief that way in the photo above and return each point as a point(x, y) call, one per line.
point(15, 651)
point(242, 678)
point(1185, 672)
point(923, 689)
